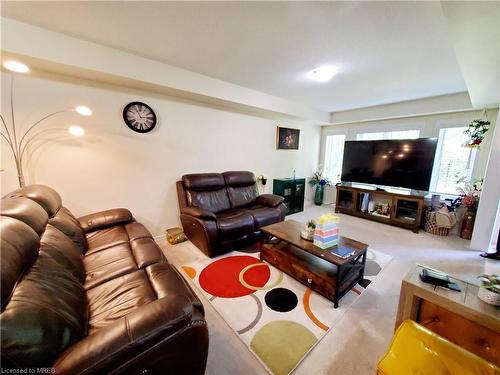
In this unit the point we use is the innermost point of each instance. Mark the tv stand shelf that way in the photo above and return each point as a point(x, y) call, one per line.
point(402, 210)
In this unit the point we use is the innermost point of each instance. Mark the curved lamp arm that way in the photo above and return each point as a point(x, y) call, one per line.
point(20, 145)
point(33, 138)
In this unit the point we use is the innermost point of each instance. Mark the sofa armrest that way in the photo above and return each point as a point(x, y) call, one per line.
point(125, 345)
point(198, 213)
point(106, 218)
point(269, 200)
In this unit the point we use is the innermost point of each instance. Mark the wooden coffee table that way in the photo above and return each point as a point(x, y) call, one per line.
point(323, 272)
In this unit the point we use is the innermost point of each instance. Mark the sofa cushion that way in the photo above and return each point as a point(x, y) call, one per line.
point(136, 230)
point(44, 316)
point(234, 223)
point(241, 188)
point(264, 215)
point(116, 298)
point(108, 264)
point(206, 191)
point(63, 251)
point(132, 248)
point(45, 196)
point(27, 211)
point(18, 251)
point(146, 252)
point(69, 225)
point(167, 282)
point(104, 238)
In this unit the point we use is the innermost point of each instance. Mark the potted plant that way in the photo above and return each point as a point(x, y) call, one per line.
point(489, 291)
point(470, 192)
point(476, 132)
point(308, 232)
point(318, 182)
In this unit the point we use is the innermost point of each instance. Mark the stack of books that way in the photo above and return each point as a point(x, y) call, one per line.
point(343, 252)
point(326, 233)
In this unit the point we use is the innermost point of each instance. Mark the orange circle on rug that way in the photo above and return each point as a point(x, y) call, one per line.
point(221, 278)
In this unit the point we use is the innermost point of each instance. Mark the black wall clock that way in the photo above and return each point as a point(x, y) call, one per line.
point(139, 117)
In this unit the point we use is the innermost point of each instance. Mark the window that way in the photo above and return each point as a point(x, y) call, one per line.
point(452, 160)
point(401, 134)
point(334, 153)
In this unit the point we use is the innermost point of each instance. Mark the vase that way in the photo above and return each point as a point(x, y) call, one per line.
point(489, 297)
point(468, 225)
point(318, 195)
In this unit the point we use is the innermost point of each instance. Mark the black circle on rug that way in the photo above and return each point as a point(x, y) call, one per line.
point(281, 299)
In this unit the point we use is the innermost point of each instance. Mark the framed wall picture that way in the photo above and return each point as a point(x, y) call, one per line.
point(287, 139)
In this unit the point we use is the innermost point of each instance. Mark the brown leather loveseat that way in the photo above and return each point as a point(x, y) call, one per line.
point(222, 211)
point(93, 295)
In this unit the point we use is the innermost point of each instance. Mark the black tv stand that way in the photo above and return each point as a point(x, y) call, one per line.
point(405, 208)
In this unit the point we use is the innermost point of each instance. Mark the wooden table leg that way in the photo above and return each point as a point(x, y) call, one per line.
point(337, 288)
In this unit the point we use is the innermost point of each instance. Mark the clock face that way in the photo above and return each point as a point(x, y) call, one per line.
point(139, 117)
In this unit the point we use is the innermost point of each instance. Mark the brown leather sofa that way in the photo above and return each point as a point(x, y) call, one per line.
point(93, 295)
point(223, 211)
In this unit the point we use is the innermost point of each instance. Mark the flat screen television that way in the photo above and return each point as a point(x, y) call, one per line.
point(405, 163)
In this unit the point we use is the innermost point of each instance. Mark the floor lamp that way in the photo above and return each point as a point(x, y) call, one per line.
point(18, 143)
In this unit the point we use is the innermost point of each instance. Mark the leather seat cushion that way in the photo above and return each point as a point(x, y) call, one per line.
point(45, 315)
point(48, 198)
point(241, 188)
point(116, 298)
point(264, 215)
point(19, 245)
point(167, 282)
point(234, 223)
point(67, 223)
point(104, 238)
point(136, 230)
point(108, 264)
point(146, 252)
point(25, 210)
point(64, 251)
point(131, 248)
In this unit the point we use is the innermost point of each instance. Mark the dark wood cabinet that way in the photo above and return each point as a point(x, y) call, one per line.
point(402, 210)
point(293, 192)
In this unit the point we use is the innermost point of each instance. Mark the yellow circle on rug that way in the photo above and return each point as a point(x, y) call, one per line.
point(241, 277)
point(282, 344)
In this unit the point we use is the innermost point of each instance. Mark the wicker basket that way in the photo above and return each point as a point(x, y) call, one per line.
point(431, 226)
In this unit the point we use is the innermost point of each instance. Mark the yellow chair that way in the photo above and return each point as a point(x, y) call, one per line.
point(416, 350)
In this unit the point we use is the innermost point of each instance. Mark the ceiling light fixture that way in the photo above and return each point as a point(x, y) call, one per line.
point(16, 66)
point(84, 111)
point(76, 130)
point(323, 73)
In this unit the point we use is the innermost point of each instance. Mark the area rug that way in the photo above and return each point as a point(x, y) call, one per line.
point(278, 318)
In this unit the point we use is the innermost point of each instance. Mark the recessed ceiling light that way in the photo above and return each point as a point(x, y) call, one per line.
point(76, 130)
point(16, 66)
point(323, 73)
point(84, 111)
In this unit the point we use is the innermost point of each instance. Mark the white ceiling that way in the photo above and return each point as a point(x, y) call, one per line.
point(386, 51)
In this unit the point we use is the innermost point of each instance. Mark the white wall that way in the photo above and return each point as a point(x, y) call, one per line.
point(484, 227)
point(111, 166)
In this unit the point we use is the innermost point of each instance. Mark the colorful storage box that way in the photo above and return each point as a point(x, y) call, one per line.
point(327, 231)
